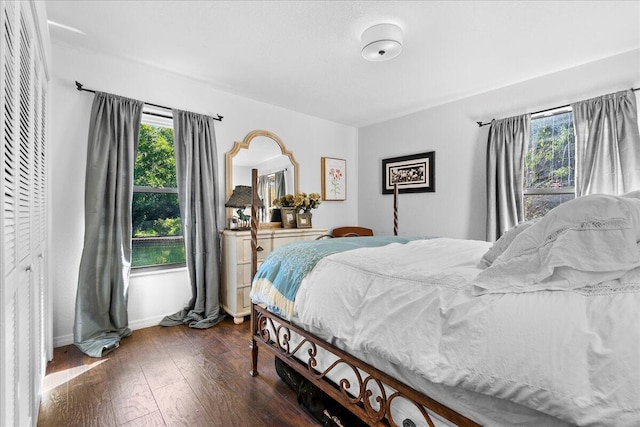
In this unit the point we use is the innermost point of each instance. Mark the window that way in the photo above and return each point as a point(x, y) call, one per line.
point(270, 187)
point(549, 163)
point(157, 227)
point(268, 196)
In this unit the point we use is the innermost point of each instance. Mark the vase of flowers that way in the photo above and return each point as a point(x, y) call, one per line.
point(310, 201)
point(290, 206)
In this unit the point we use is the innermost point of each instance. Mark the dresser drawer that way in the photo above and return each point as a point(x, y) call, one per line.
point(244, 273)
point(244, 249)
point(246, 297)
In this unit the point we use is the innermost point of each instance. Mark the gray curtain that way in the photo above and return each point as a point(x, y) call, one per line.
point(506, 148)
point(280, 187)
point(607, 144)
point(263, 193)
point(101, 299)
point(196, 170)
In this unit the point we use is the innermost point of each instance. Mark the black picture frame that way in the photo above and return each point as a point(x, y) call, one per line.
point(415, 173)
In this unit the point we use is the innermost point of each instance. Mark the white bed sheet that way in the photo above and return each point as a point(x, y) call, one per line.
point(499, 359)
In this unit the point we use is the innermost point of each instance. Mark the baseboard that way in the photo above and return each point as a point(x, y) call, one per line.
point(145, 323)
point(62, 340)
point(136, 324)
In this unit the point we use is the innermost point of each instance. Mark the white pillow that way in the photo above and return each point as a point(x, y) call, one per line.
point(503, 243)
point(581, 242)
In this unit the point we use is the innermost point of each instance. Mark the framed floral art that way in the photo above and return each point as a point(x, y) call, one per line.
point(334, 179)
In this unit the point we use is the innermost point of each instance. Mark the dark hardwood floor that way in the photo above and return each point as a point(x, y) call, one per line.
point(169, 376)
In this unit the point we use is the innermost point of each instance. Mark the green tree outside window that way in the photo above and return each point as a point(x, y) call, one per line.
point(155, 209)
point(549, 164)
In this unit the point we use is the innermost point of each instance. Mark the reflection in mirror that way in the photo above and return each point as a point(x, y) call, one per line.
point(270, 187)
point(277, 168)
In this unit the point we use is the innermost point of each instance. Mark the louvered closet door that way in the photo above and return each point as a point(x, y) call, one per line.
point(9, 351)
point(23, 106)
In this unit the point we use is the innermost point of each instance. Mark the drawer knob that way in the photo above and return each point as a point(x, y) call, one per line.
point(259, 249)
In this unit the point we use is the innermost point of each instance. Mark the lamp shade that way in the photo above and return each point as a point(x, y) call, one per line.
point(242, 197)
point(381, 42)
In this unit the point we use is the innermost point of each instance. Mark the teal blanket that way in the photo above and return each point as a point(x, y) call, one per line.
point(278, 278)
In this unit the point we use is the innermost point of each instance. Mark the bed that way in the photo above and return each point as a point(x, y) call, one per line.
point(541, 328)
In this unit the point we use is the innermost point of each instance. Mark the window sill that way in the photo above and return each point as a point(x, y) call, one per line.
point(155, 271)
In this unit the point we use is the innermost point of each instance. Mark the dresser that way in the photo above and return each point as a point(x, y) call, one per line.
point(236, 262)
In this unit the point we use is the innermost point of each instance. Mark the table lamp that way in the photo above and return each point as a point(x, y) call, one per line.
point(241, 198)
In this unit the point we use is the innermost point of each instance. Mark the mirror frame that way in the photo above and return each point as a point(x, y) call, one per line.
point(246, 142)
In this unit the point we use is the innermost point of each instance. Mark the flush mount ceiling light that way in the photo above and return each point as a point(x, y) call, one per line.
point(381, 42)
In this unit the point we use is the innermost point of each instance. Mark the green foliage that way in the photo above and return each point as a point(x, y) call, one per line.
point(549, 162)
point(168, 226)
point(155, 214)
point(536, 206)
point(155, 163)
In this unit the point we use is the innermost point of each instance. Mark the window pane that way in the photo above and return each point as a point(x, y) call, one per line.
point(156, 214)
point(550, 162)
point(157, 230)
point(155, 161)
point(536, 205)
point(157, 227)
point(157, 251)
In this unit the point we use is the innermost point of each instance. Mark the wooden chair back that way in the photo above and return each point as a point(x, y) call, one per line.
point(351, 231)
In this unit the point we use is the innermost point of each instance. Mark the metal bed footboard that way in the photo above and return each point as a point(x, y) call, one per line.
point(367, 392)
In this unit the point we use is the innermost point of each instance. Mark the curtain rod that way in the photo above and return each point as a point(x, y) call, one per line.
point(480, 124)
point(80, 87)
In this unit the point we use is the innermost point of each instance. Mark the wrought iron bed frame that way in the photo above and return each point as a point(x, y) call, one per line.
point(371, 398)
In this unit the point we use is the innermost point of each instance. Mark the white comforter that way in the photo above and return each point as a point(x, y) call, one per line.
point(574, 355)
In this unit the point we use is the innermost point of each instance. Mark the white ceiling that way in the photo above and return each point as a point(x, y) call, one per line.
point(305, 55)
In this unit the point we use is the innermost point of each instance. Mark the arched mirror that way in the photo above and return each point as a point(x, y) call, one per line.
point(277, 168)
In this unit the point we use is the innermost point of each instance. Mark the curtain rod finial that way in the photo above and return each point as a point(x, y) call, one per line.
point(78, 85)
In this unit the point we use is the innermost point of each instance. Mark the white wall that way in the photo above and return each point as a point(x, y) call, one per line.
point(458, 207)
point(153, 296)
